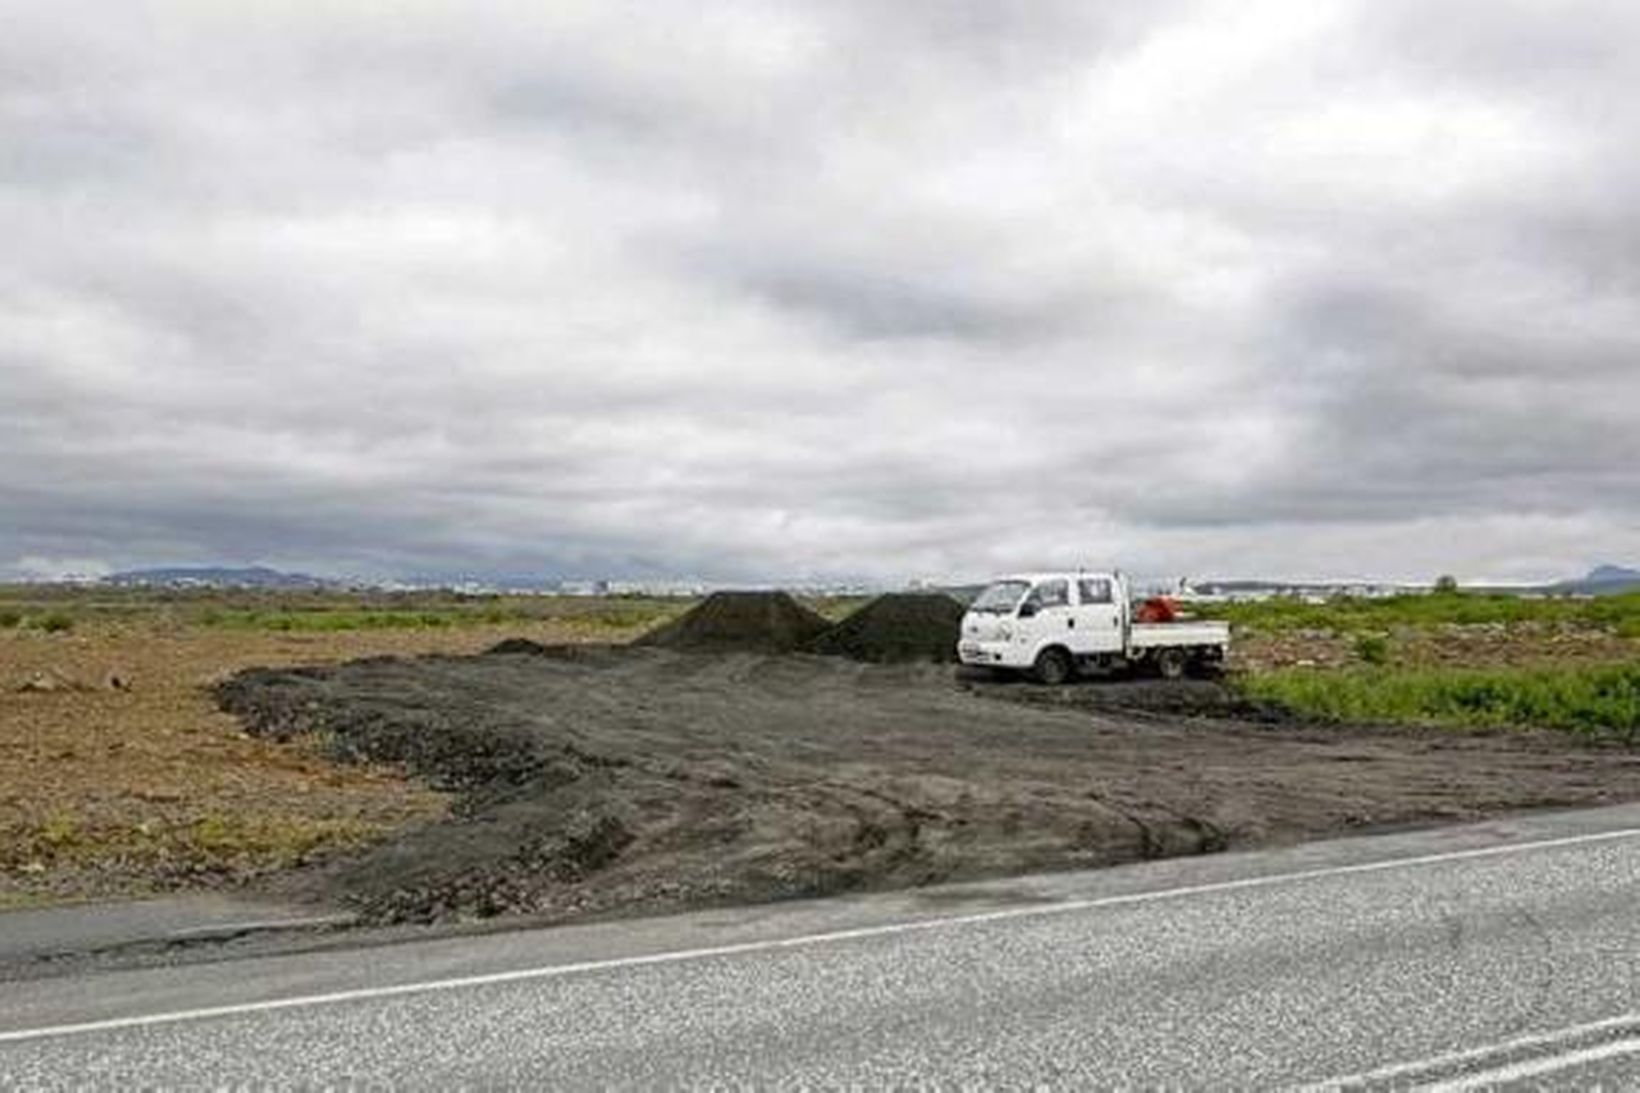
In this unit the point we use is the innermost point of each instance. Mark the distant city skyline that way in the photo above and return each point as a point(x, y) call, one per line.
point(1601, 578)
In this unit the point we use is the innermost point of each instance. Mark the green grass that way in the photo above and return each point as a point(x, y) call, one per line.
point(329, 621)
point(1601, 701)
point(613, 616)
point(835, 608)
point(1347, 615)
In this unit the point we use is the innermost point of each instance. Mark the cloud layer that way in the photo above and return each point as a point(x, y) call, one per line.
point(770, 290)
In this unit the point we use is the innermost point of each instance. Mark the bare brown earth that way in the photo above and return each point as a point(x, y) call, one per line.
point(1456, 645)
point(615, 780)
point(119, 776)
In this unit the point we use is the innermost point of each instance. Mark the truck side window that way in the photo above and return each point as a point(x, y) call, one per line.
point(1050, 594)
point(1094, 589)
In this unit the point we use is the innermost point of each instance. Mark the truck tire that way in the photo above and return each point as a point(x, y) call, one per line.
point(1053, 666)
point(1171, 663)
point(1207, 663)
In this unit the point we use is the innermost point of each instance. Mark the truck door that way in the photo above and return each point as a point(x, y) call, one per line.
point(1046, 614)
point(1098, 617)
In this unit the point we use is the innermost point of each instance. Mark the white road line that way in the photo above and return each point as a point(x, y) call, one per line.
point(1532, 1068)
point(677, 956)
point(1455, 1058)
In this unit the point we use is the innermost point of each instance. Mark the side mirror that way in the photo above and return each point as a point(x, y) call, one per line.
point(1026, 610)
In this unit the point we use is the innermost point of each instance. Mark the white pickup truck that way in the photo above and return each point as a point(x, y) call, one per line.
point(1058, 623)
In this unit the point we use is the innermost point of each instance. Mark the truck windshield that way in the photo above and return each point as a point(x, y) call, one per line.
point(1000, 598)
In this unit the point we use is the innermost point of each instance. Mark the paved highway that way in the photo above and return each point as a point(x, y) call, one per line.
point(1473, 957)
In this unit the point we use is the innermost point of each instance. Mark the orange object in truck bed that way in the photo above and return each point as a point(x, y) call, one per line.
point(1157, 609)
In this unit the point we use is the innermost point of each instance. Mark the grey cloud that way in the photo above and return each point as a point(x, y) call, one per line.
point(748, 291)
point(866, 305)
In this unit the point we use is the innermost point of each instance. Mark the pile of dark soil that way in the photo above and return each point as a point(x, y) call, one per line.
point(742, 622)
point(639, 780)
point(1130, 697)
point(519, 647)
point(525, 647)
point(898, 627)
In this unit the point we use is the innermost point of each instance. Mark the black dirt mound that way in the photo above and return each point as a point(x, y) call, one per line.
point(522, 646)
point(750, 622)
point(897, 627)
point(1167, 698)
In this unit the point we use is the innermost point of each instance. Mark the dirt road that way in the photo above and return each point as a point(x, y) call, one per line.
point(599, 780)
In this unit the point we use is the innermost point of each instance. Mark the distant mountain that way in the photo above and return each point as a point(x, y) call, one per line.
point(216, 577)
point(1606, 574)
point(1603, 579)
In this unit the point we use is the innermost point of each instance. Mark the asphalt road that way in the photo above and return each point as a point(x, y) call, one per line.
point(1463, 958)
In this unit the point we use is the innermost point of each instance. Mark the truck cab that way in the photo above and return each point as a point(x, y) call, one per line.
point(1056, 624)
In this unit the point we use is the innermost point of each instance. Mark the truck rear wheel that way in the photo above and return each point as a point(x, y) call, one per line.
point(1053, 666)
point(1171, 663)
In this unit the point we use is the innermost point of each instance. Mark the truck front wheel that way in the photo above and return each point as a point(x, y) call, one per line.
point(1053, 666)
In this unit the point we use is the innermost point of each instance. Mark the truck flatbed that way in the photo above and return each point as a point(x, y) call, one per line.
point(1192, 632)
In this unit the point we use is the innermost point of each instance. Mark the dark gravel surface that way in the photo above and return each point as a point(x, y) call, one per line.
point(609, 780)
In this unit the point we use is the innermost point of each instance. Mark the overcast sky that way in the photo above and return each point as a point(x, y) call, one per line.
point(772, 290)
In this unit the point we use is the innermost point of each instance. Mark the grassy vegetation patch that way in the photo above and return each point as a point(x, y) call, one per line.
point(216, 839)
point(1372, 648)
point(1350, 614)
point(53, 622)
point(599, 614)
point(331, 621)
point(54, 608)
point(1597, 701)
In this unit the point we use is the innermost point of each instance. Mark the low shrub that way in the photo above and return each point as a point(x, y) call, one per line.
point(1372, 648)
point(54, 623)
